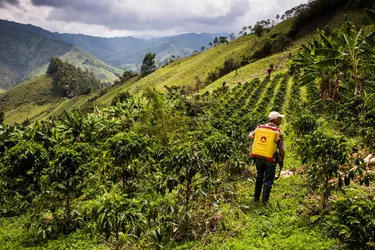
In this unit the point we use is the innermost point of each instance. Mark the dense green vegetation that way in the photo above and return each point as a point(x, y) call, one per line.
point(164, 169)
point(171, 169)
point(69, 81)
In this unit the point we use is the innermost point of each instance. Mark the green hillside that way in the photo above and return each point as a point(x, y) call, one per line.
point(85, 60)
point(22, 52)
point(25, 53)
point(186, 71)
point(37, 99)
point(167, 168)
point(107, 97)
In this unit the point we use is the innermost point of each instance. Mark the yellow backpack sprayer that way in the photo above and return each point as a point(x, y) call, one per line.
point(265, 143)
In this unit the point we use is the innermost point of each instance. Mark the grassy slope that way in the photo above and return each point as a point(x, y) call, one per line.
point(35, 90)
point(106, 99)
point(2, 91)
point(32, 100)
point(85, 60)
point(184, 71)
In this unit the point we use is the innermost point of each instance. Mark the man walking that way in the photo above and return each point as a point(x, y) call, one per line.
point(266, 168)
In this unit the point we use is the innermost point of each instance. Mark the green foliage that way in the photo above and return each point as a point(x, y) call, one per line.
point(258, 29)
point(332, 55)
point(120, 98)
point(325, 156)
point(115, 215)
point(21, 168)
point(304, 124)
point(61, 184)
point(69, 81)
point(353, 222)
point(313, 11)
point(124, 149)
point(128, 75)
point(148, 64)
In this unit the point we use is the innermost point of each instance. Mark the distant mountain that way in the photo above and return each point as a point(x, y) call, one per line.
point(22, 51)
point(128, 52)
point(25, 51)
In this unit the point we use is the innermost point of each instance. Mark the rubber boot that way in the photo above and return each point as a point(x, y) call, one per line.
point(258, 190)
point(266, 194)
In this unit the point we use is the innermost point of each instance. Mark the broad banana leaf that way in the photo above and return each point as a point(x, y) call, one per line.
point(370, 39)
point(371, 15)
point(327, 52)
point(307, 78)
point(329, 62)
point(368, 68)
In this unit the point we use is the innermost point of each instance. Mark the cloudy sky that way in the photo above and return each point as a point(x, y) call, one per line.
point(142, 18)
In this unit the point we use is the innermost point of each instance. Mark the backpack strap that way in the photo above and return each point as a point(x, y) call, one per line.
point(271, 128)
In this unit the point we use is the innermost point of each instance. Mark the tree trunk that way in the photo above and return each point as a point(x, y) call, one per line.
point(357, 82)
point(123, 177)
point(116, 215)
point(325, 193)
point(67, 209)
point(357, 87)
point(337, 89)
point(188, 192)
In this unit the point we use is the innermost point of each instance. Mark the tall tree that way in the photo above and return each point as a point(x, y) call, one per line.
point(223, 39)
point(277, 17)
point(244, 30)
point(148, 64)
point(258, 29)
point(231, 36)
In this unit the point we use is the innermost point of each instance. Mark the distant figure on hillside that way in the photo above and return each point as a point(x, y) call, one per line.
point(270, 69)
point(268, 150)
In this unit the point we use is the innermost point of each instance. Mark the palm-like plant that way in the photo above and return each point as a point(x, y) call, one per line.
point(335, 53)
point(314, 65)
point(71, 124)
point(353, 53)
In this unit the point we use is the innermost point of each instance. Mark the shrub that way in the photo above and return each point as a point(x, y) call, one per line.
point(352, 221)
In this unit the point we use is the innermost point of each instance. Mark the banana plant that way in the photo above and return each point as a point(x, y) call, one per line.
point(338, 52)
point(71, 125)
point(310, 63)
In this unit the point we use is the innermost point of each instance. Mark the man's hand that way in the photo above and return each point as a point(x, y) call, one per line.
point(252, 135)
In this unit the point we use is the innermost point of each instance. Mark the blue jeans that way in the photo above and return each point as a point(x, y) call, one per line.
point(265, 171)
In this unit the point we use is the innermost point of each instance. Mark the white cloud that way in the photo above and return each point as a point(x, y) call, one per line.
point(144, 17)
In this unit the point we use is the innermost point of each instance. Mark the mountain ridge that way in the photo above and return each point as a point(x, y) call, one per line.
point(125, 53)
